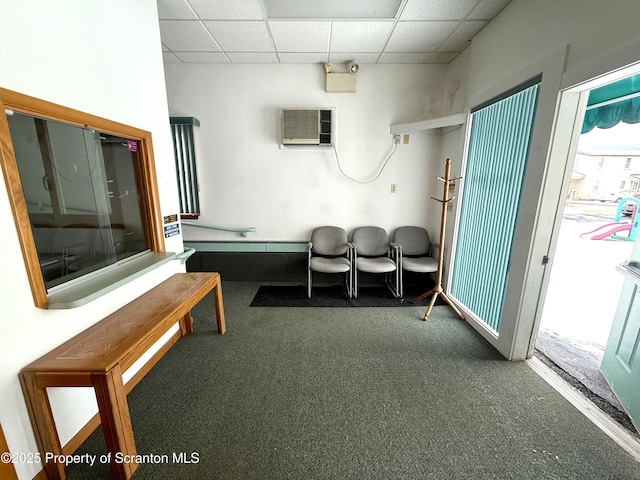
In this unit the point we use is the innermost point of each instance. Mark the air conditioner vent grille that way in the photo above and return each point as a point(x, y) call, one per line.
point(306, 126)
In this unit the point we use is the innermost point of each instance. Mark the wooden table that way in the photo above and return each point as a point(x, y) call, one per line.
point(98, 356)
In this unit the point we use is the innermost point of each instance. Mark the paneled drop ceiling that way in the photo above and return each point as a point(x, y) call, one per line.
point(321, 31)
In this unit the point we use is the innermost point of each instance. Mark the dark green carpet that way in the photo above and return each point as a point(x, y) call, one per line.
point(344, 393)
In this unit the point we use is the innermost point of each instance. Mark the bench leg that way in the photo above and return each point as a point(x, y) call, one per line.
point(44, 425)
point(116, 422)
point(186, 325)
point(217, 298)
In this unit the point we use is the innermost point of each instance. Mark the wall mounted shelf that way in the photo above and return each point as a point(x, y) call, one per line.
point(432, 125)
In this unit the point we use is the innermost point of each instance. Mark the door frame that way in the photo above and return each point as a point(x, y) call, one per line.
point(572, 100)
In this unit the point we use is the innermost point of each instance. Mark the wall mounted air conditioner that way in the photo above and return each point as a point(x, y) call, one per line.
point(307, 126)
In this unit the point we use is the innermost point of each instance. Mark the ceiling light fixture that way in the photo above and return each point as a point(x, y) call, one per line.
point(354, 67)
point(356, 9)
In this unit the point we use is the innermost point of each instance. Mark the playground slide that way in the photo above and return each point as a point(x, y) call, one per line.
point(615, 228)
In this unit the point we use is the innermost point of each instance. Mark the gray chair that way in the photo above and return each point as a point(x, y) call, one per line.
point(373, 253)
point(329, 252)
point(416, 253)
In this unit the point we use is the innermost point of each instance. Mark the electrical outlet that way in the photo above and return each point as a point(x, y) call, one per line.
point(393, 188)
point(396, 139)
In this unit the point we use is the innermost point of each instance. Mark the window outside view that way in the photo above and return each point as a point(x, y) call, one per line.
point(81, 191)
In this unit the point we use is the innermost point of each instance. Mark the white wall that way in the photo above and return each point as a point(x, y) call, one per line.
point(525, 31)
point(103, 58)
point(247, 180)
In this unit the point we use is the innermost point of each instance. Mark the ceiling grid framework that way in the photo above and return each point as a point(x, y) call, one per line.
point(332, 31)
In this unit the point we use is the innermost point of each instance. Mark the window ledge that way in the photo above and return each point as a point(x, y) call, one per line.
point(106, 282)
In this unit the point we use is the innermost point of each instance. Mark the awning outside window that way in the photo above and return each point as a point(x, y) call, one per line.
point(613, 103)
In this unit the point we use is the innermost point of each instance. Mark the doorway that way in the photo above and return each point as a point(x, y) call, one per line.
point(597, 227)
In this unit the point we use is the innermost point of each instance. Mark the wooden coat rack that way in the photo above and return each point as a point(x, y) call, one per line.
point(437, 289)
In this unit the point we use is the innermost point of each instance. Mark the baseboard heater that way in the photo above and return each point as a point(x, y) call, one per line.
point(251, 261)
point(248, 247)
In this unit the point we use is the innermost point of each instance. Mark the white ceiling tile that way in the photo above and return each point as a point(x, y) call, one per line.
point(169, 57)
point(295, 36)
point(487, 9)
point(437, 9)
point(420, 36)
point(357, 57)
point(237, 30)
point(360, 36)
point(246, 57)
point(182, 35)
point(202, 57)
point(241, 36)
point(445, 57)
point(175, 10)
point(228, 9)
point(310, 57)
point(461, 37)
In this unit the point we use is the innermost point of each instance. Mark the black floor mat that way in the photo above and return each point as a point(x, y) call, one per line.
point(336, 296)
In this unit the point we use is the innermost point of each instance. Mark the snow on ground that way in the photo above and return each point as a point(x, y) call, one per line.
point(584, 286)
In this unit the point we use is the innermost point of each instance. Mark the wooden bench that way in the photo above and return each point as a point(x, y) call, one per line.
point(98, 357)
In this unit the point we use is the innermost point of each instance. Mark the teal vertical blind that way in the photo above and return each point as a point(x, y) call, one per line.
point(496, 162)
point(186, 171)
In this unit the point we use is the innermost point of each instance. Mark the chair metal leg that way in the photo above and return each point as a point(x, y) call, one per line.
point(395, 252)
point(349, 274)
point(399, 279)
point(355, 284)
point(348, 282)
point(394, 289)
point(351, 266)
point(309, 245)
point(354, 266)
point(351, 258)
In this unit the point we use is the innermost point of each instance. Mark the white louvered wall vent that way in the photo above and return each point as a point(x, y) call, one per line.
point(307, 126)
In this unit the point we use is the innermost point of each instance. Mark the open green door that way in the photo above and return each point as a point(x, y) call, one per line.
point(621, 361)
